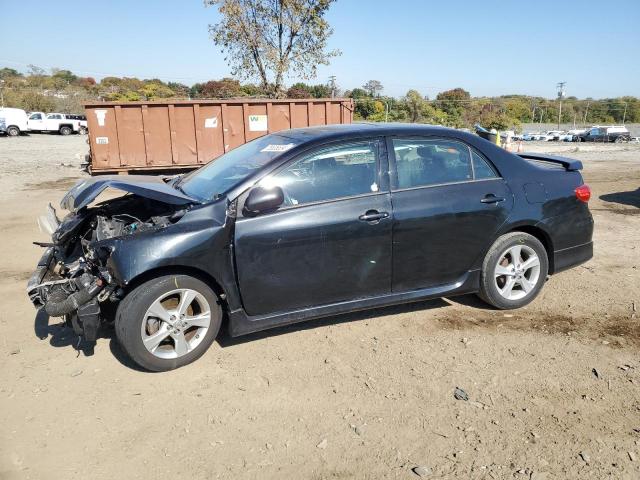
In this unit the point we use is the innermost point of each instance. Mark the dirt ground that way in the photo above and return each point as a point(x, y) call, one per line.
point(554, 388)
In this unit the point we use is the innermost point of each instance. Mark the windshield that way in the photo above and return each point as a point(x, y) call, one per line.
point(222, 174)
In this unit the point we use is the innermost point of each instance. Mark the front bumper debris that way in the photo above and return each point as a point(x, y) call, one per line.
point(75, 299)
point(37, 281)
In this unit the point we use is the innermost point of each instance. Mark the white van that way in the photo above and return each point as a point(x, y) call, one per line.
point(13, 121)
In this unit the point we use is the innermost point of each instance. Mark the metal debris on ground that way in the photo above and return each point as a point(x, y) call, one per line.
point(585, 456)
point(421, 471)
point(460, 394)
point(595, 373)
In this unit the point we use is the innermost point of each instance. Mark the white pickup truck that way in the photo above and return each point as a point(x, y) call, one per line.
point(54, 122)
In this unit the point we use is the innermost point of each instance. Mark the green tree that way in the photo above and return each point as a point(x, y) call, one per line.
point(299, 90)
point(357, 93)
point(9, 73)
point(153, 90)
point(225, 88)
point(453, 102)
point(36, 102)
point(269, 39)
point(364, 108)
point(64, 75)
point(320, 91)
point(179, 89)
point(414, 105)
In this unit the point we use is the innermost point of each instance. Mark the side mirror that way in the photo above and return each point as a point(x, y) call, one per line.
point(262, 199)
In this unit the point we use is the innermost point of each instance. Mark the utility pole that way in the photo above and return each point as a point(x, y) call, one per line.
point(560, 97)
point(332, 85)
point(2, 94)
point(624, 115)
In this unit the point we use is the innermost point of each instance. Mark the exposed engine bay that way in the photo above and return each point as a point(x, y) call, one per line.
point(73, 279)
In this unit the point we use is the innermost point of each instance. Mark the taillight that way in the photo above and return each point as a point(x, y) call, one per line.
point(583, 193)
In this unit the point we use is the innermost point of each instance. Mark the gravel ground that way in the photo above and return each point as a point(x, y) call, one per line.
point(554, 388)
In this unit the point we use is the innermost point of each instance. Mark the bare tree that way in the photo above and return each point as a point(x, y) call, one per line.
point(373, 88)
point(268, 39)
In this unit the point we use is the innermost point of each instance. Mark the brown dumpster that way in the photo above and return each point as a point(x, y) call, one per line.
point(174, 135)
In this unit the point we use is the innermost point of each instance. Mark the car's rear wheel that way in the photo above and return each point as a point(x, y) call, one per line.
point(514, 271)
point(168, 322)
point(65, 131)
point(13, 131)
point(620, 139)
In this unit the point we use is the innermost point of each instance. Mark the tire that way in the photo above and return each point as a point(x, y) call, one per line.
point(620, 139)
point(83, 131)
point(65, 131)
point(13, 131)
point(527, 281)
point(139, 317)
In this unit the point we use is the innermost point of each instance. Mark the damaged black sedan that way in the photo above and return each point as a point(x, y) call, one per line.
point(304, 224)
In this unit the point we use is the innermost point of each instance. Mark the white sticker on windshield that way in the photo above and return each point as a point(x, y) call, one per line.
point(277, 148)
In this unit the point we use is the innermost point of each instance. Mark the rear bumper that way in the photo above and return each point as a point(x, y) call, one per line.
point(571, 257)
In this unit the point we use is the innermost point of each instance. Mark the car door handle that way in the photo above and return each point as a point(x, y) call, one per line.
point(373, 216)
point(491, 198)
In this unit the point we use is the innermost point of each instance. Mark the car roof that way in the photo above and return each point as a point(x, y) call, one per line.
point(340, 131)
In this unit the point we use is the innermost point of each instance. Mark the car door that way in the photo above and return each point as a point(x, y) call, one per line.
point(448, 202)
point(594, 135)
point(331, 239)
point(36, 122)
point(53, 121)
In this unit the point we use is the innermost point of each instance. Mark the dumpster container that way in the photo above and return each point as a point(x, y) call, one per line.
point(177, 135)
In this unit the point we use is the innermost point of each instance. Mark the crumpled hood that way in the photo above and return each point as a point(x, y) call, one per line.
point(149, 186)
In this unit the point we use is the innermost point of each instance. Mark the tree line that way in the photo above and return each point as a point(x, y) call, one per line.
point(62, 90)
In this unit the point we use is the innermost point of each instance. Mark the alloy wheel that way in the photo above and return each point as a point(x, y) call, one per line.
point(175, 323)
point(517, 272)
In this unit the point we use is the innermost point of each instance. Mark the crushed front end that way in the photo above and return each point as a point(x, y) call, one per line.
point(72, 279)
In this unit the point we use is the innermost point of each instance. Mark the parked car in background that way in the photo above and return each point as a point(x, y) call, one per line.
point(554, 135)
point(54, 122)
point(13, 121)
point(307, 223)
point(82, 119)
point(571, 135)
point(609, 133)
point(531, 136)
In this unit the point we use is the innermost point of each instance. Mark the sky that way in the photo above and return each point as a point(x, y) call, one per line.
point(487, 47)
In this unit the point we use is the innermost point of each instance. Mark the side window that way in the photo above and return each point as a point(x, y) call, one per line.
point(431, 162)
point(336, 172)
point(481, 168)
point(35, 116)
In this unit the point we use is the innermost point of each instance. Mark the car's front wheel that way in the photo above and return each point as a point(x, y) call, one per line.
point(514, 271)
point(168, 322)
